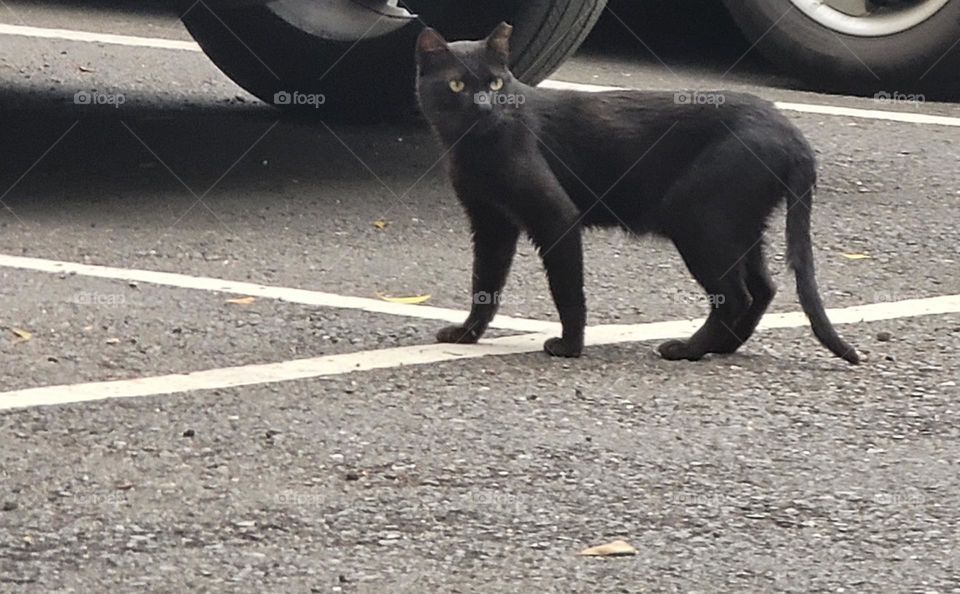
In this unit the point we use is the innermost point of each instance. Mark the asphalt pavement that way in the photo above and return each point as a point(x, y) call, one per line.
point(323, 443)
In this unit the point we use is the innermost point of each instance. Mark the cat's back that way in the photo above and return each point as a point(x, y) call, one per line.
point(691, 113)
point(612, 129)
point(626, 143)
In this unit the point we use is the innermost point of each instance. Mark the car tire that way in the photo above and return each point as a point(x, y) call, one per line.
point(923, 58)
point(373, 79)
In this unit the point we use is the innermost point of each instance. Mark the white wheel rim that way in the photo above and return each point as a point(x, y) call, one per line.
point(871, 23)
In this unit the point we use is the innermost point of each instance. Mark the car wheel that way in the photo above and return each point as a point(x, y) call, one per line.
point(371, 78)
point(864, 46)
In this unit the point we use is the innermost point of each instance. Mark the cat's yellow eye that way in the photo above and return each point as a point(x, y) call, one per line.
point(456, 86)
point(496, 85)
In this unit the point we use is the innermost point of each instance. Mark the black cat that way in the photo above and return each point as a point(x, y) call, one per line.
point(702, 169)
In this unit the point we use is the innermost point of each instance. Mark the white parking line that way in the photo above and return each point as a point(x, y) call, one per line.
point(870, 114)
point(232, 377)
point(831, 110)
point(153, 42)
point(303, 296)
point(70, 35)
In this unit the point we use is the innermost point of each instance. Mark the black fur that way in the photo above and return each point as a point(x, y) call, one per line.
point(705, 171)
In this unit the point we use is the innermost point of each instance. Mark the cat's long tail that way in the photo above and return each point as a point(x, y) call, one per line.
point(801, 182)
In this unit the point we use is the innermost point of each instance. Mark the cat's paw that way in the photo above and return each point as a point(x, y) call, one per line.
point(558, 347)
point(678, 350)
point(457, 335)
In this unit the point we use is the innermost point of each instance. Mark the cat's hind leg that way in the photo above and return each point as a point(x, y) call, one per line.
point(722, 271)
point(762, 291)
point(715, 216)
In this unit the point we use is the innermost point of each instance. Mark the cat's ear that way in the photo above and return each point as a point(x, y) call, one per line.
point(430, 42)
point(498, 42)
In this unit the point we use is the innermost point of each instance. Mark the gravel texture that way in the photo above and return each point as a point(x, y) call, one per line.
point(757, 472)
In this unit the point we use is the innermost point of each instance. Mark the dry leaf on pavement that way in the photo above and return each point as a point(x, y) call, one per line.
point(242, 300)
point(22, 334)
point(409, 300)
point(617, 548)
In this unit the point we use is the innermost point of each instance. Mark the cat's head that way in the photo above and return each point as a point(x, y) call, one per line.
point(466, 85)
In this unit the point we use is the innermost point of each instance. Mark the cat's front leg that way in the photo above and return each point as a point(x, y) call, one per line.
point(562, 254)
point(494, 245)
